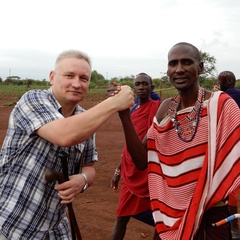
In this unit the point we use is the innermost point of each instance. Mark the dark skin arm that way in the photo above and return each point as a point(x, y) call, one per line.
point(136, 147)
point(115, 179)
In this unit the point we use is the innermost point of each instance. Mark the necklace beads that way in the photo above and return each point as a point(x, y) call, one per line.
point(186, 128)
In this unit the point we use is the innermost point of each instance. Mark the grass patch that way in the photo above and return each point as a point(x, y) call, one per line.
point(9, 104)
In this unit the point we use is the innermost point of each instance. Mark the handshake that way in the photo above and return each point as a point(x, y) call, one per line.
point(121, 96)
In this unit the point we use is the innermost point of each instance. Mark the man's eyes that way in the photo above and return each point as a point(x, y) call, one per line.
point(172, 64)
point(82, 78)
point(85, 79)
point(185, 62)
point(143, 83)
point(69, 75)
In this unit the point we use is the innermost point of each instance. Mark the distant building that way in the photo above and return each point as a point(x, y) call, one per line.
point(13, 78)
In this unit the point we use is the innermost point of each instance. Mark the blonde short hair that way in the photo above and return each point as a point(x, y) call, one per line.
point(74, 54)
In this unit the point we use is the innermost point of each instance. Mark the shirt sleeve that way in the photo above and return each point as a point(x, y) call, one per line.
point(90, 152)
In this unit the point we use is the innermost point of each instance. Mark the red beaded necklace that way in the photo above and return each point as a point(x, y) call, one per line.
point(186, 128)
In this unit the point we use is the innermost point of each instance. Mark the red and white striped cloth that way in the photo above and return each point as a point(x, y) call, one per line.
point(187, 178)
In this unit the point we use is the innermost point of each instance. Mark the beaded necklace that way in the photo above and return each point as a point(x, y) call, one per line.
point(186, 128)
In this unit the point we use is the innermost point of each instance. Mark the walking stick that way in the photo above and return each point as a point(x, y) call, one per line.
point(73, 222)
point(50, 176)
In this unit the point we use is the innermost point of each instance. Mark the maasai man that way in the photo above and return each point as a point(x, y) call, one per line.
point(192, 155)
point(134, 200)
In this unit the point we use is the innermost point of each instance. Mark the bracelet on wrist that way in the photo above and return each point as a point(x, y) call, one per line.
point(86, 182)
point(117, 172)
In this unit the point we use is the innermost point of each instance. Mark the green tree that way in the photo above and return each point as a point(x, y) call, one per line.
point(96, 76)
point(209, 64)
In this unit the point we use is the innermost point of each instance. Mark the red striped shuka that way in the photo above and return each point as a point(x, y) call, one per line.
point(188, 178)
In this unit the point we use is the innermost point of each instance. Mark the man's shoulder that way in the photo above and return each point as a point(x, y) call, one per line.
point(156, 103)
point(38, 97)
point(235, 94)
point(152, 104)
point(36, 93)
point(163, 109)
point(233, 90)
point(154, 96)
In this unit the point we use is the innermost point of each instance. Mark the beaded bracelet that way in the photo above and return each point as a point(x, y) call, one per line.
point(117, 172)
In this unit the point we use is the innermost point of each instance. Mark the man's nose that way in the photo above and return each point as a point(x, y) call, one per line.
point(179, 67)
point(76, 82)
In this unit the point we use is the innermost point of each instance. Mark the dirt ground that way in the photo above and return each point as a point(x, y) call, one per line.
point(95, 209)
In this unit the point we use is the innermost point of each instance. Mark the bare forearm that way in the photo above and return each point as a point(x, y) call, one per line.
point(135, 146)
point(68, 190)
point(75, 129)
point(90, 173)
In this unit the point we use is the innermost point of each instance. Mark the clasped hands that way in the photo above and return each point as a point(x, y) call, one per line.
point(123, 95)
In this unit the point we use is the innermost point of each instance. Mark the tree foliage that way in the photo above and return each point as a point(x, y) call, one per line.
point(96, 76)
point(209, 64)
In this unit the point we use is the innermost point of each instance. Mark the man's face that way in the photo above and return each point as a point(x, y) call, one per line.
point(183, 67)
point(70, 80)
point(142, 87)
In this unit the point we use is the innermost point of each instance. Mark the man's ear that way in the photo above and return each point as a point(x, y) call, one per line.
point(201, 68)
point(152, 87)
point(51, 77)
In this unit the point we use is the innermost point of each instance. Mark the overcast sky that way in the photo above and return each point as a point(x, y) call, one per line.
point(122, 37)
